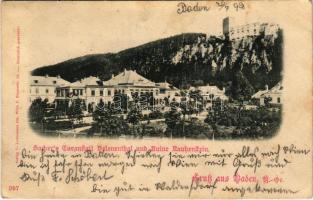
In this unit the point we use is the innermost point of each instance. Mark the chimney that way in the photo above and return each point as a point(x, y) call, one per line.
point(112, 75)
point(46, 75)
point(266, 87)
point(124, 71)
point(223, 89)
point(58, 77)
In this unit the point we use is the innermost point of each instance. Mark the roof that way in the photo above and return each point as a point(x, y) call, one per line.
point(192, 88)
point(91, 80)
point(210, 88)
point(277, 89)
point(48, 81)
point(129, 77)
point(166, 85)
point(259, 93)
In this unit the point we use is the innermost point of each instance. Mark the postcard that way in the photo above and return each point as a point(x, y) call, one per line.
point(157, 99)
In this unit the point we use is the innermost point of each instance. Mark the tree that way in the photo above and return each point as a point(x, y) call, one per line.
point(215, 115)
point(75, 111)
point(120, 103)
point(37, 110)
point(134, 116)
point(156, 114)
point(166, 100)
point(267, 101)
point(241, 88)
point(172, 120)
point(197, 99)
point(102, 116)
point(185, 110)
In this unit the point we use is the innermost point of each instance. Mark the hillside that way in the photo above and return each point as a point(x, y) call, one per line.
point(243, 66)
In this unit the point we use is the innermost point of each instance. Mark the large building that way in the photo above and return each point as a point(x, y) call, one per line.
point(44, 87)
point(130, 83)
point(235, 32)
point(90, 90)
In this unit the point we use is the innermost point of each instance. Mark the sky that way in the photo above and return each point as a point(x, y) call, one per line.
point(52, 32)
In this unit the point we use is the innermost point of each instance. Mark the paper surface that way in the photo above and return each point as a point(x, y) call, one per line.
point(157, 99)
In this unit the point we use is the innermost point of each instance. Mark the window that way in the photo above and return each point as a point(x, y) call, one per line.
point(54, 82)
point(35, 81)
point(109, 92)
point(93, 93)
point(278, 99)
point(101, 92)
point(47, 91)
point(80, 92)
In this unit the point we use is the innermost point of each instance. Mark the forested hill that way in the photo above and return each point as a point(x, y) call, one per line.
point(243, 66)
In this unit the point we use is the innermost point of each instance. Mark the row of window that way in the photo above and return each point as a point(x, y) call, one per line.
point(80, 92)
point(93, 93)
point(47, 91)
point(242, 31)
point(54, 82)
point(122, 91)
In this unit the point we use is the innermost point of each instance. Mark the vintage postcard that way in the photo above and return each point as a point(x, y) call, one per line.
point(161, 99)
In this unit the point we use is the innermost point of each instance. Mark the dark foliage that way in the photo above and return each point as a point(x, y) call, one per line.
point(242, 66)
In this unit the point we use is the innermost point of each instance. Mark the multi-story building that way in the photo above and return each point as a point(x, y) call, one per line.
point(44, 87)
point(235, 32)
point(130, 83)
point(90, 90)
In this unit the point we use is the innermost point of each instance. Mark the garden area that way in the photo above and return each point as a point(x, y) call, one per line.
point(219, 121)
